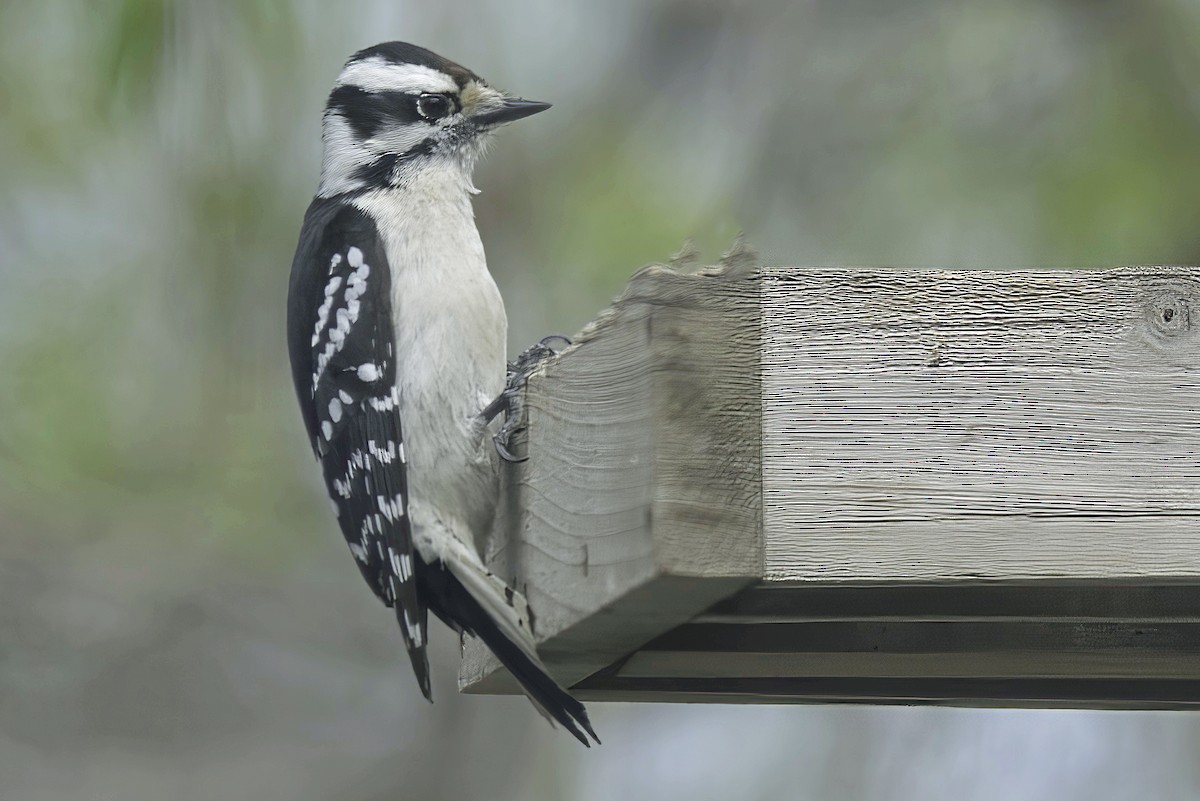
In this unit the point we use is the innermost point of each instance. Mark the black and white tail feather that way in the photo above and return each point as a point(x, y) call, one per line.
point(402, 121)
point(475, 601)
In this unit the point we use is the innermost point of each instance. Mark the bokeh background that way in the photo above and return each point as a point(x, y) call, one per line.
point(179, 617)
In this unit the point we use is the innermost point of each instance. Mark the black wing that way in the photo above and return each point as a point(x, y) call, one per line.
point(341, 342)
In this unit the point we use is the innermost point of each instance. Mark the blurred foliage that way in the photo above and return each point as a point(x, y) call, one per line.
point(132, 37)
point(178, 618)
point(612, 192)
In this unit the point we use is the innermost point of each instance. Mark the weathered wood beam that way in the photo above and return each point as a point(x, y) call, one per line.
point(895, 486)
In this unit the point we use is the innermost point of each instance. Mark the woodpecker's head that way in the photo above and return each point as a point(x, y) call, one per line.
point(398, 110)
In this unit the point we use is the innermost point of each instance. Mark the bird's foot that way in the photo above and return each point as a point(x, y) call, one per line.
point(510, 401)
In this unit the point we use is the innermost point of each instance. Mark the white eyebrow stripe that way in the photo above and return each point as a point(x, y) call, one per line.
point(378, 75)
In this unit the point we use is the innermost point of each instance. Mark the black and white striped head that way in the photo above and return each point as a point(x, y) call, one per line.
point(397, 110)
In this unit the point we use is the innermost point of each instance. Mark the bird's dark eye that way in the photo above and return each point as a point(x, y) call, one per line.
point(433, 107)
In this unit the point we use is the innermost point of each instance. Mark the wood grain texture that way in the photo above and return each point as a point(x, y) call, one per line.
point(640, 504)
point(829, 485)
point(926, 426)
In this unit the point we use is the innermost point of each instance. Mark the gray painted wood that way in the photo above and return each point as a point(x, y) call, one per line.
point(924, 425)
point(977, 488)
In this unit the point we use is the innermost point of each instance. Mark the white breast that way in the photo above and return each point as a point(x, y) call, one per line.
point(450, 331)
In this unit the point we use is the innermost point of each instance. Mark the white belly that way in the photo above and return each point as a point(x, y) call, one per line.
point(450, 334)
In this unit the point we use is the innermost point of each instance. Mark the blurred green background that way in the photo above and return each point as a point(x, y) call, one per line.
point(179, 617)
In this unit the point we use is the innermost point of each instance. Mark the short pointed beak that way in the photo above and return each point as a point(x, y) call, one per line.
point(512, 108)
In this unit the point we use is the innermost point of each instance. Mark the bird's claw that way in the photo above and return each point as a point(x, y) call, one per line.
point(509, 401)
point(500, 441)
point(531, 356)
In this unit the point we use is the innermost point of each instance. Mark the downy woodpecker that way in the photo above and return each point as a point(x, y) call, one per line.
point(396, 334)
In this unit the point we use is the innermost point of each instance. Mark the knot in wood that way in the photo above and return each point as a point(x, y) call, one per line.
point(1169, 311)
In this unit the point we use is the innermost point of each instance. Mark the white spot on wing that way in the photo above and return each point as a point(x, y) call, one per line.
point(382, 455)
point(346, 317)
point(323, 309)
point(414, 631)
point(401, 564)
point(389, 401)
